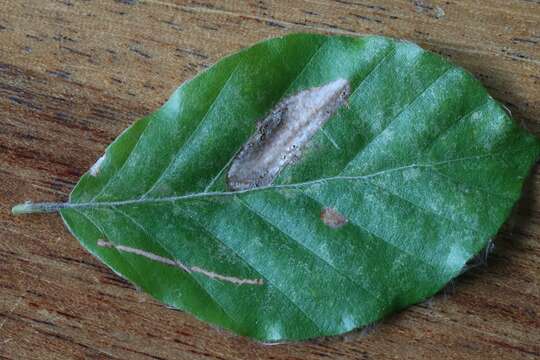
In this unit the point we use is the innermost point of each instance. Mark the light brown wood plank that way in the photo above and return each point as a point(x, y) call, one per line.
point(74, 74)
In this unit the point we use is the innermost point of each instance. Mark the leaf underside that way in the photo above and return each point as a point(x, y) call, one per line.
point(421, 167)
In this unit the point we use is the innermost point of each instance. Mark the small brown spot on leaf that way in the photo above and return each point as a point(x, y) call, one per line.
point(333, 218)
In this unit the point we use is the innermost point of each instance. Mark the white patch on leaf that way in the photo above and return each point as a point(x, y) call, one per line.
point(94, 170)
point(348, 322)
point(457, 256)
point(281, 136)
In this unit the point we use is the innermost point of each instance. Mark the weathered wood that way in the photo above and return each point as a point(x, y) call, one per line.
point(74, 74)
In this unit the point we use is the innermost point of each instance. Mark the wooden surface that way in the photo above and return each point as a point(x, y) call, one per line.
point(75, 73)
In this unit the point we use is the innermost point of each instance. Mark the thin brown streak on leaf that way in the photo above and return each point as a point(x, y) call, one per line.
point(178, 264)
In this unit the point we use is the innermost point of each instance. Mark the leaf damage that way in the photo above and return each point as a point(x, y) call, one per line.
point(189, 269)
point(333, 218)
point(284, 133)
point(413, 179)
point(96, 168)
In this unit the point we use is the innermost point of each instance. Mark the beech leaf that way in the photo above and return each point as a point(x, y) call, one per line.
point(305, 186)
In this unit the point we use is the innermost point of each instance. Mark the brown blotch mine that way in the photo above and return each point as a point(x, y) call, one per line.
point(333, 218)
point(281, 136)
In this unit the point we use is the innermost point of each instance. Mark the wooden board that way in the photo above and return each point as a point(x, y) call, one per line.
point(75, 73)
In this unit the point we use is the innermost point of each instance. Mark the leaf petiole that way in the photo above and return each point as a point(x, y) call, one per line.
point(32, 208)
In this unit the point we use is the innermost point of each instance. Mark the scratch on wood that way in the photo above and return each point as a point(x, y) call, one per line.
point(10, 311)
point(178, 264)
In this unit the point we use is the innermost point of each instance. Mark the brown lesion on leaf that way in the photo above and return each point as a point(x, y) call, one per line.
point(283, 134)
point(333, 218)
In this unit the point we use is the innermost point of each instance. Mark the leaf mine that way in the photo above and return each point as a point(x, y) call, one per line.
point(413, 180)
point(281, 136)
point(189, 269)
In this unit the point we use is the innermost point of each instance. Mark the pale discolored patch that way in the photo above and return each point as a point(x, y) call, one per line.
point(193, 269)
point(281, 136)
point(94, 170)
point(333, 218)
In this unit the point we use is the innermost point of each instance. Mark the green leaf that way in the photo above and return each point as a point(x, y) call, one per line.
point(409, 169)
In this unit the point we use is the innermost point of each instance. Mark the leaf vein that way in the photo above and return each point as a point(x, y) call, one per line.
point(164, 248)
point(380, 237)
point(100, 229)
point(306, 249)
point(266, 281)
point(281, 186)
point(192, 135)
point(115, 175)
point(211, 183)
point(425, 209)
point(405, 108)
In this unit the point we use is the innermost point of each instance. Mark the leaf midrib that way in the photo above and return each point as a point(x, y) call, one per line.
point(139, 201)
point(297, 185)
point(374, 68)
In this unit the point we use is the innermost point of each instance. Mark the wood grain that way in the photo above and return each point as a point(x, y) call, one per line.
point(75, 73)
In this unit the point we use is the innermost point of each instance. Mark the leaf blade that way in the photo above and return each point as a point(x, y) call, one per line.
point(423, 164)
